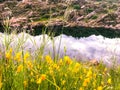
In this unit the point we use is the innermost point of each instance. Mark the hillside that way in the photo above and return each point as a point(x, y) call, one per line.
point(70, 15)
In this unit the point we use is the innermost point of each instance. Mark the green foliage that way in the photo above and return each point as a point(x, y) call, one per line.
point(89, 10)
point(94, 17)
point(98, 0)
point(77, 6)
point(19, 71)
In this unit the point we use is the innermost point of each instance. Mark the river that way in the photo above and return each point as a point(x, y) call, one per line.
point(102, 49)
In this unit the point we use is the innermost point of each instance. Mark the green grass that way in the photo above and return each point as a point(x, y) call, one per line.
point(21, 72)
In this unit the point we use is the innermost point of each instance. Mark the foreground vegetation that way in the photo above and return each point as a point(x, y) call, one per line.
point(18, 71)
point(22, 71)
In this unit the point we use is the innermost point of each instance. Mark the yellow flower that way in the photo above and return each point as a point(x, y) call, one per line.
point(43, 77)
point(68, 60)
point(10, 50)
point(48, 59)
point(18, 56)
point(55, 66)
point(94, 75)
point(30, 65)
point(8, 55)
point(1, 84)
point(39, 81)
point(77, 65)
point(60, 62)
point(81, 88)
point(76, 68)
point(19, 68)
point(25, 83)
point(63, 82)
point(89, 74)
point(100, 88)
point(81, 77)
point(26, 56)
point(31, 73)
point(86, 82)
point(109, 81)
point(84, 70)
point(51, 72)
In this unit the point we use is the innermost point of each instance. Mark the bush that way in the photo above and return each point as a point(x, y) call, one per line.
point(76, 6)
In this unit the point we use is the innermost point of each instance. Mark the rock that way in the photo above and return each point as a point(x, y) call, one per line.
point(18, 23)
point(82, 6)
point(80, 18)
point(55, 23)
point(6, 14)
point(90, 14)
point(101, 18)
point(36, 24)
point(1, 7)
point(117, 26)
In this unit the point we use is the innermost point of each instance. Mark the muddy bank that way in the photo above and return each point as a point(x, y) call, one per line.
point(75, 31)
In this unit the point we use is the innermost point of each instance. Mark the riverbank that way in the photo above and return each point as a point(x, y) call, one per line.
point(76, 18)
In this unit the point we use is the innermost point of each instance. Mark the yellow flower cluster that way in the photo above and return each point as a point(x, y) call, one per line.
point(48, 59)
point(100, 88)
point(29, 64)
point(8, 54)
point(18, 56)
point(64, 73)
point(86, 82)
point(40, 79)
point(109, 81)
point(68, 60)
point(26, 56)
point(19, 68)
point(25, 83)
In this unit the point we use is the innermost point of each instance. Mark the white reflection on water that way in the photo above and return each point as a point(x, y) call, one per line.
point(92, 47)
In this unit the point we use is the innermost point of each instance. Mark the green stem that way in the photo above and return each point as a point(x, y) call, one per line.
point(53, 84)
